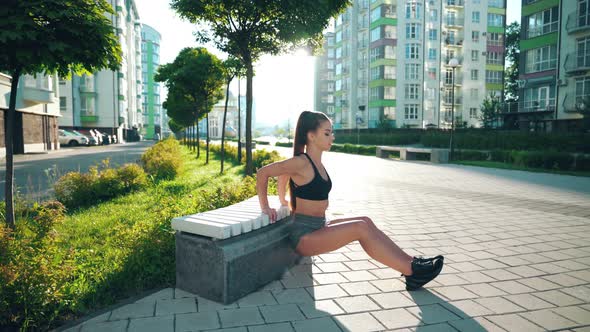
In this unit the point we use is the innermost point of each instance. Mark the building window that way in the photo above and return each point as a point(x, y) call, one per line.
point(412, 71)
point(389, 92)
point(375, 73)
point(411, 111)
point(495, 39)
point(582, 89)
point(540, 98)
point(412, 51)
point(474, 93)
point(338, 36)
point(411, 91)
point(493, 76)
point(86, 105)
point(432, 73)
point(432, 34)
point(583, 52)
point(494, 58)
point(63, 104)
point(390, 32)
point(434, 15)
point(473, 113)
point(540, 59)
point(413, 9)
point(495, 20)
point(475, 17)
point(496, 3)
point(374, 93)
point(543, 22)
point(474, 55)
point(376, 34)
point(375, 14)
point(475, 36)
point(432, 53)
point(413, 30)
point(389, 72)
point(474, 74)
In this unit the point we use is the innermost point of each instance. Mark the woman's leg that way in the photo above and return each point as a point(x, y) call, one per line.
point(377, 245)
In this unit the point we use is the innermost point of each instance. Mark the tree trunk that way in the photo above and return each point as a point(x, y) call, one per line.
point(249, 75)
point(8, 186)
point(223, 126)
point(239, 124)
point(198, 140)
point(207, 138)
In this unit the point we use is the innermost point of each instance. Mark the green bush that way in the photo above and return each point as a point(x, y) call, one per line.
point(260, 158)
point(582, 163)
point(163, 161)
point(284, 144)
point(367, 150)
point(76, 189)
point(470, 155)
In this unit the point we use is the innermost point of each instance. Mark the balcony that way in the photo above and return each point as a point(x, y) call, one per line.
point(446, 60)
point(447, 100)
point(454, 22)
point(454, 3)
point(576, 104)
point(534, 106)
point(577, 64)
point(577, 23)
point(88, 116)
point(38, 90)
point(456, 42)
point(448, 81)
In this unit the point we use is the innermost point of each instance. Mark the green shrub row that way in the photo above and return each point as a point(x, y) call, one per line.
point(163, 160)
point(260, 158)
point(284, 144)
point(477, 139)
point(551, 160)
point(366, 150)
point(77, 189)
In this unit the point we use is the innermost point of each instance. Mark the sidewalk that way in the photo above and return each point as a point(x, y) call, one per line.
point(517, 249)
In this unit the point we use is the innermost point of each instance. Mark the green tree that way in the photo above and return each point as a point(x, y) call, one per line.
point(249, 29)
point(232, 68)
point(51, 37)
point(583, 107)
point(489, 110)
point(194, 81)
point(512, 61)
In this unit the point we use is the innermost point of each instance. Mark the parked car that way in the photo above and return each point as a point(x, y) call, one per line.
point(71, 139)
point(92, 140)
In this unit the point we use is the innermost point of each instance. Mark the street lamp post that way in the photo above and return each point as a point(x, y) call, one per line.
point(453, 63)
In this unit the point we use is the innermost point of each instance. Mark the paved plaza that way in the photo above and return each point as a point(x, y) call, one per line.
point(516, 246)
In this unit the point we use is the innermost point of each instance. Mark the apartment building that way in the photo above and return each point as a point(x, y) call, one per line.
point(391, 62)
point(110, 101)
point(554, 67)
point(37, 112)
point(150, 60)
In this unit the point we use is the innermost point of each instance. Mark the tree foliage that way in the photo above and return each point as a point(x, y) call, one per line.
point(194, 81)
point(512, 60)
point(249, 29)
point(52, 36)
point(490, 109)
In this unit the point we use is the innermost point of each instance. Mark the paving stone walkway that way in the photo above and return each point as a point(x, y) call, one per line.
point(517, 248)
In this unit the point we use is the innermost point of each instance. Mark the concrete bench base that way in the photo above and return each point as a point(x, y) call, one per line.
point(409, 153)
point(226, 270)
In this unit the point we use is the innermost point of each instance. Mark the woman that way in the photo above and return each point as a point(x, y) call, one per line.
point(309, 185)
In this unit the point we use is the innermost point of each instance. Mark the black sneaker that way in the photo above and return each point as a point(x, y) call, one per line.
point(423, 271)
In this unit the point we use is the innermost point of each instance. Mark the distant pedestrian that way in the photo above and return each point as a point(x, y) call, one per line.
point(309, 185)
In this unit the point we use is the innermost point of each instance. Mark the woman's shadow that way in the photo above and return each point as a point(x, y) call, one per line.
point(316, 307)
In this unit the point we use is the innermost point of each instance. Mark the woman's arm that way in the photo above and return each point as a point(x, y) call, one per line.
point(285, 168)
point(282, 188)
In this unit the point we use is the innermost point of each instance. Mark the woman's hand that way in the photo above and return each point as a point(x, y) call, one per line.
point(271, 213)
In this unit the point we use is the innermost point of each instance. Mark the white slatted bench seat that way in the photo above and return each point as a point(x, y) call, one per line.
point(409, 153)
point(227, 253)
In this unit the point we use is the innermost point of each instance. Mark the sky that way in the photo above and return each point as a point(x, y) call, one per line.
point(283, 86)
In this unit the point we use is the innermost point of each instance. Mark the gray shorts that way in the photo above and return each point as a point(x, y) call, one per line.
point(303, 224)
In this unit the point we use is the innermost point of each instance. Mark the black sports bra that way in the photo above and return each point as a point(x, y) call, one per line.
point(317, 189)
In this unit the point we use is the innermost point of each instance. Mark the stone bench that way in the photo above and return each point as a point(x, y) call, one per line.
point(409, 153)
point(225, 254)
